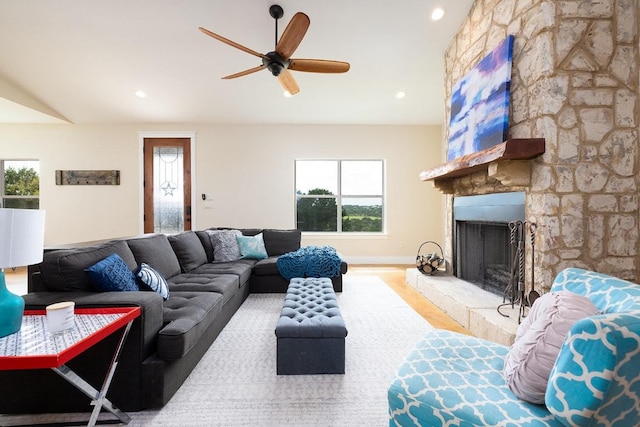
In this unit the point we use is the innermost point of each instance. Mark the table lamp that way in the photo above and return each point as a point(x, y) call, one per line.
point(21, 244)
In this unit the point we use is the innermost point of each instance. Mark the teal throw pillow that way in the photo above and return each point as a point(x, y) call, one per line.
point(112, 274)
point(252, 247)
point(153, 280)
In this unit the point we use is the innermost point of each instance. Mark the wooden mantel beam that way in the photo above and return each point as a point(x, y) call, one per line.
point(512, 149)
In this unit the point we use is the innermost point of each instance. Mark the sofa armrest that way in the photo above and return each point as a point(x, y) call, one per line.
point(150, 303)
point(594, 375)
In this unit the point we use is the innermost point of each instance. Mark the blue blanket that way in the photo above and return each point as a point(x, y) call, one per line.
point(310, 261)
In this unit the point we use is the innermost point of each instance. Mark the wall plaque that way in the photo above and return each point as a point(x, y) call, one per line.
point(88, 177)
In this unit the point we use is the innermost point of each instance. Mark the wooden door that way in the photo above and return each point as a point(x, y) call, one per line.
point(167, 185)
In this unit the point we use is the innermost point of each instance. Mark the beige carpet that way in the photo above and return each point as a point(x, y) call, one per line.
point(235, 384)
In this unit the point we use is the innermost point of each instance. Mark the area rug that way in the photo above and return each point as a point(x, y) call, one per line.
point(235, 383)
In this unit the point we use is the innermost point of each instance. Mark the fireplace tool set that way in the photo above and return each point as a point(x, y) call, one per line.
point(516, 289)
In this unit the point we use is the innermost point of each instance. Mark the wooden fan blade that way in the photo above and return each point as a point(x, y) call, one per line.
point(288, 82)
point(245, 72)
point(231, 43)
point(293, 35)
point(318, 66)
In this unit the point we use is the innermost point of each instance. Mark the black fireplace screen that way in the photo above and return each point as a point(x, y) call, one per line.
point(483, 254)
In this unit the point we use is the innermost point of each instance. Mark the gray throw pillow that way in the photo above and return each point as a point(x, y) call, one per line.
point(225, 245)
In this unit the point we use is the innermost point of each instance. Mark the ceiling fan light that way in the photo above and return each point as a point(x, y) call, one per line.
point(140, 94)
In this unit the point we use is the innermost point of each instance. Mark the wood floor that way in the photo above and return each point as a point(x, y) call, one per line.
point(394, 277)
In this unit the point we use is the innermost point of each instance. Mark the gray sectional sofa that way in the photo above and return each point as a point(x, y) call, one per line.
point(169, 338)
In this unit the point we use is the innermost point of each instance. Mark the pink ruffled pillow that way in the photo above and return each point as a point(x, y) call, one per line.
point(538, 340)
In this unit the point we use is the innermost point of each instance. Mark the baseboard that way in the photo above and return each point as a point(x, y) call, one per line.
point(380, 260)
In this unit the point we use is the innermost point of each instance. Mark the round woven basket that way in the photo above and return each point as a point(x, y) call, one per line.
point(429, 262)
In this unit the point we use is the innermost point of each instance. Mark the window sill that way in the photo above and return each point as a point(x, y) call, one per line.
point(345, 235)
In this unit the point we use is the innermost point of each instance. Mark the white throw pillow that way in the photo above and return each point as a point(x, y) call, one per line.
point(538, 340)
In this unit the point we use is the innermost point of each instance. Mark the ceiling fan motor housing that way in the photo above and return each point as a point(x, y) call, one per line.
point(275, 63)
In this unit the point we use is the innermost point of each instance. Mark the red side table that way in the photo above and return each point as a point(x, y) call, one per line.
point(33, 347)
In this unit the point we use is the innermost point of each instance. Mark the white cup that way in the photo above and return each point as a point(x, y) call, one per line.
point(60, 316)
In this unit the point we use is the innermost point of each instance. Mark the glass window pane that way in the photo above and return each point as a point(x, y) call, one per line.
point(21, 177)
point(362, 178)
point(316, 175)
point(21, 203)
point(168, 190)
point(317, 214)
point(361, 214)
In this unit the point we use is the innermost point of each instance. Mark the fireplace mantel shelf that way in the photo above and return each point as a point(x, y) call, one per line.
point(512, 149)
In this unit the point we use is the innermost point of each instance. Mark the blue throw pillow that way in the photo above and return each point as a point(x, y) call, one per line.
point(252, 247)
point(112, 274)
point(153, 280)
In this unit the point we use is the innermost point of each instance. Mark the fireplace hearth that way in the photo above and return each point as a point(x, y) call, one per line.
point(483, 251)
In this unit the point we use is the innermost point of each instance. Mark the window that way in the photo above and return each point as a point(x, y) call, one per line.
point(20, 184)
point(340, 195)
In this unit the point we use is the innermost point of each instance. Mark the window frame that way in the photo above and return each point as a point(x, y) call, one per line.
point(3, 195)
point(339, 196)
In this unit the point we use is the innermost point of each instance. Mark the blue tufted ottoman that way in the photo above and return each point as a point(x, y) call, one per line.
point(310, 331)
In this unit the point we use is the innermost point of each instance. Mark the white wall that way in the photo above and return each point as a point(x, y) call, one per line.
point(247, 169)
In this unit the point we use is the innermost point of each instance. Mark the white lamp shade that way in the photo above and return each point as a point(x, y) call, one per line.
point(21, 237)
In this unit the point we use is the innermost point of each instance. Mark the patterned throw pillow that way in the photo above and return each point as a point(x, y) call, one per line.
point(112, 274)
point(153, 280)
point(252, 247)
point(225, 245)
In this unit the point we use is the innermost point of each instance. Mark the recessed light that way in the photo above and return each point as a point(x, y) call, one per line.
point(437, 14)
point(287, 94)
point(141, 94)
point(400, 95)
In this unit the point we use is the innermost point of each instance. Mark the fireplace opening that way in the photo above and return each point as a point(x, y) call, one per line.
point(483, 253)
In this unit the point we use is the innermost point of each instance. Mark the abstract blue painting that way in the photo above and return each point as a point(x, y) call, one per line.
point(480, 104)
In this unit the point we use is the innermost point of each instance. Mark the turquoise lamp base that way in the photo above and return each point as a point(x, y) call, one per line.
point(11, 309)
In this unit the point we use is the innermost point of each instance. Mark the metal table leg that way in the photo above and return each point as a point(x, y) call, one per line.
point(99, 398)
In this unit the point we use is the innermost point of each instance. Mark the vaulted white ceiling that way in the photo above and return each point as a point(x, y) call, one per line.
point(83, 60)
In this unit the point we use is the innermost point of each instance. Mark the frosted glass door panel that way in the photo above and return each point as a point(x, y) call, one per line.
point(168, 190)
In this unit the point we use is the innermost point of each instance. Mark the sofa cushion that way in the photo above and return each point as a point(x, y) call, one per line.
point(63, 270)
point(225, 245)
point(252, 247)
point(608, 293)
point(223, 284)
point(156, 251)
point(279, 242)
point(241, 268)
point(189, 250)
point(112, 274)
point(266, 267)
point(538, 340)
point(153, 280)
point(205, 240)
point(187, 315)
point(250, 231)
point(458, 378)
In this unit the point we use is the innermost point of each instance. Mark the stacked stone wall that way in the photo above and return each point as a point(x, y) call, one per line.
point(575, 82)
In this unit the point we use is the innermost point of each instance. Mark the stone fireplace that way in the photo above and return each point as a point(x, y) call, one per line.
point(575, 85)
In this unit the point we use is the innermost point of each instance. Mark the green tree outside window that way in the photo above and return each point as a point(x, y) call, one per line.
point(21, 189)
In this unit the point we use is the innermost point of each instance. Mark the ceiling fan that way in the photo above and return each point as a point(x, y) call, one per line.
point(279, 61)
